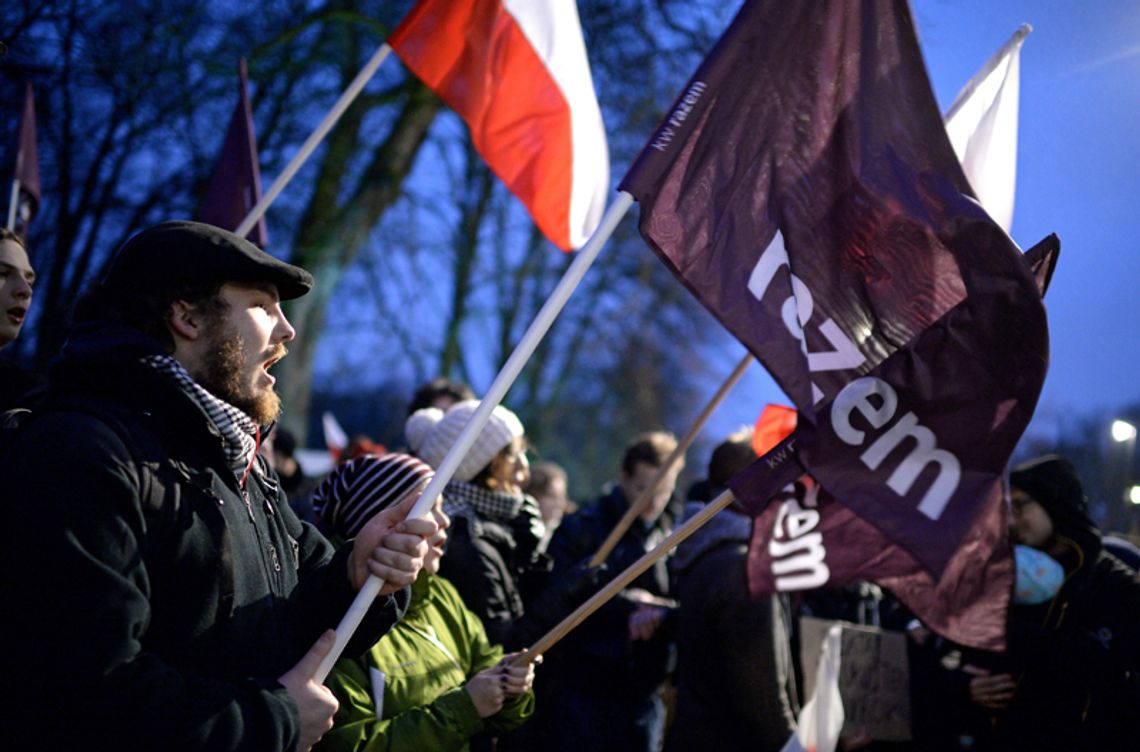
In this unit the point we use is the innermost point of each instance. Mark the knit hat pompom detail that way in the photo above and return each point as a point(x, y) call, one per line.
point(501, 429)
point(419, 425)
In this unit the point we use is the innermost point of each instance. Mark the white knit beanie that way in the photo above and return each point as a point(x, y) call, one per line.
point(419, 425)
point(439, 432)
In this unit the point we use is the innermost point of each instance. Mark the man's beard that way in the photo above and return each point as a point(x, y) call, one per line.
point(222, 375)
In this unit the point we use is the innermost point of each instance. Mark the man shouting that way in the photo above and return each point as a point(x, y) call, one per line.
point(159, 592)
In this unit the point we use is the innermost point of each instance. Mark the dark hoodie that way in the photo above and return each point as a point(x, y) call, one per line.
point(1076, 659)
point(735, 688)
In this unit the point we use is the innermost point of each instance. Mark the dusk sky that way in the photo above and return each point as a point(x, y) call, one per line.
point(1078, 175)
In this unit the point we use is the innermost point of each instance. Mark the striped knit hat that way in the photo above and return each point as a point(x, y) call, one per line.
point(431, 433)
point(356, 490)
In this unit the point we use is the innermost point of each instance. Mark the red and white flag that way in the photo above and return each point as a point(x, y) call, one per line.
point(516, 72)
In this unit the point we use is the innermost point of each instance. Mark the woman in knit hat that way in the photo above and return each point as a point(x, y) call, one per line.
point(494, 557)
point(435, 680)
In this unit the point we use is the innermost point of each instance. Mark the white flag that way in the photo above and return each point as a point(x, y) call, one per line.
point(335, 437)
point(982, 125)
point(821, 718)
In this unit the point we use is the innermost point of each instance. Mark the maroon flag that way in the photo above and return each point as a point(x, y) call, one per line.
point(26, 176)
point(804, 189)
point(235, 185)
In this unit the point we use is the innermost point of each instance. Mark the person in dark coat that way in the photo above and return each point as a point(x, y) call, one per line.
point(735, 677)
point(601, 685)
point(1071, 680)
point(160, 593)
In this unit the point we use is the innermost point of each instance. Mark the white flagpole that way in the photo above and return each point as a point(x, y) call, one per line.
point(506, 377)
point(12, 205)
point(310, 145)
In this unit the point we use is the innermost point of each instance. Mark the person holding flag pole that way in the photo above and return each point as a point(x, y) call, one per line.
point(987, 266)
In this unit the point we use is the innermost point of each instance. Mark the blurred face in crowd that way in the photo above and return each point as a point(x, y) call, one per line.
point(16, 280)
point(510, 470)
point(633, 485)
point(552, 503)
point(1032, 525)
point(235, 348)
point(437, 542)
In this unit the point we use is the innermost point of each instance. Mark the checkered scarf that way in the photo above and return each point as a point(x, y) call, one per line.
point(240, 433)
point(494, 505)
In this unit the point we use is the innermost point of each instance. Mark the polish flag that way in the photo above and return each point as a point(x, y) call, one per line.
point(516, 72)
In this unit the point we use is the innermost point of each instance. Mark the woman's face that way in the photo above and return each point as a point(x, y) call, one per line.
point(510, 470)
point(439, 540)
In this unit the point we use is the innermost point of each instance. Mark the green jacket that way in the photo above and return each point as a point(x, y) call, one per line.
point(426, 660)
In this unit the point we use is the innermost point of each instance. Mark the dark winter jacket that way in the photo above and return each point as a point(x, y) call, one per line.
point(735, 687)
point(598, 688)
point(1076, 661)
point(19, 387)
point(152, 600)
point(495, 566)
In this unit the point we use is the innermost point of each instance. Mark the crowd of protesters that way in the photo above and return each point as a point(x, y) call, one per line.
point(171, 580)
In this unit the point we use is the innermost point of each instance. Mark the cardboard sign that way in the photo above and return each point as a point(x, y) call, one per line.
point(874, 677)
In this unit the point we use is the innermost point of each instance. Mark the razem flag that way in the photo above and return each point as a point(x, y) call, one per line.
point(804, 189)
point(235, 184)
point(982, 125)
point(516, 72)
point(26, 176)
point(806, 539)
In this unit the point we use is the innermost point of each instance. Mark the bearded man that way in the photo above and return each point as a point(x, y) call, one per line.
point(159, 592)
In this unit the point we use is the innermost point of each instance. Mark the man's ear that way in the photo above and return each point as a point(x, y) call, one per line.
point(185, 321)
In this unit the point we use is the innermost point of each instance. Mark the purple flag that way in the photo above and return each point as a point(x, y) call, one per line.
point(235, 185)
point(804, 189)
point(27, 172)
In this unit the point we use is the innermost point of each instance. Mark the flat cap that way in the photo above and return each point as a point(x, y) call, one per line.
point(182, 251)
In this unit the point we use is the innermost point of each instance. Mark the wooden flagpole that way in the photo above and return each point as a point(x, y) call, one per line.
point(642, 501)
point(783, 468)
point(620, 582)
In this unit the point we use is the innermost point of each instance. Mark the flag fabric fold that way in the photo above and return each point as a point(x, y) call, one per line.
point(26, 175)
point(804, 189)
point(982, 125)
point(235, 184)
point(516, 72)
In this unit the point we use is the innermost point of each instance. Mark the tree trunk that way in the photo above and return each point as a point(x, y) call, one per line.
point(325, 249)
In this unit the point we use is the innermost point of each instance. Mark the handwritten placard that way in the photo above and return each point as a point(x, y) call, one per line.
point(874, 677)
